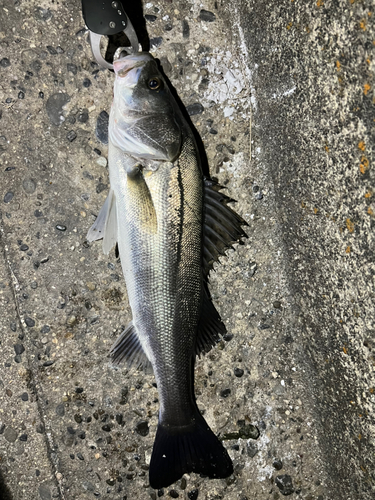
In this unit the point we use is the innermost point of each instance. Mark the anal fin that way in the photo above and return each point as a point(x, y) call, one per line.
point(127, 348)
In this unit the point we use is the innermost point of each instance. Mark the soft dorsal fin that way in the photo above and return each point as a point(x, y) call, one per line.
point(222, 226)
point(105, 225)
point(128, 348)
point(210, 328)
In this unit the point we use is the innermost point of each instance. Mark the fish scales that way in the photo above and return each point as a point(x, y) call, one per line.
point(156, 212)
point(163, 273)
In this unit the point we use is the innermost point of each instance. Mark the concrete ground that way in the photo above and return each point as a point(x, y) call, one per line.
point(282, 97)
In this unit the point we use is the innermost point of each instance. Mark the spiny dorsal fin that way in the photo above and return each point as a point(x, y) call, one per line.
point(222, 226)
point(128, 348)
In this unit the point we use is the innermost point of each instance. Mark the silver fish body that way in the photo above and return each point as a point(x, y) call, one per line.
point(170, 225)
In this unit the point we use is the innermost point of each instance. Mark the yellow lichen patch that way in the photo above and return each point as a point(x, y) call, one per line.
point(319, 3)
point(359, 436)
point(347, 250)
point(338, 65)
point(345, 350)
point(366, 88)
point(352, 1)
point(326, 148)
point(368, 61)
point(364, 164)
point(370, 211)
point(289, 26)
point(303, 204)
point(362, 146)
point(307, 29)
point(368, 194)
point(362, 24)
point(316, 211)
point(350, 225)
point(372, 390)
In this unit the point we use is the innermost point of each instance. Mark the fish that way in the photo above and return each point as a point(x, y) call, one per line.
point(171, 224)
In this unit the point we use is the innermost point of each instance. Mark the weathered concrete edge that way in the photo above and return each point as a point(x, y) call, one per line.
point(339, 453)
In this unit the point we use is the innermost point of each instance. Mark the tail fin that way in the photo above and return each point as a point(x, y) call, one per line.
point(187, 449)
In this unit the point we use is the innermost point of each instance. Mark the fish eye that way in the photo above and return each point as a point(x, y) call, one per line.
point(155, 83)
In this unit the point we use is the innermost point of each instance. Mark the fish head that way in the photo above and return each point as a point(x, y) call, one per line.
point(144, 119)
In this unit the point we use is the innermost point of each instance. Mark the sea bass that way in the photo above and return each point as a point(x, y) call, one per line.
point(171, 224)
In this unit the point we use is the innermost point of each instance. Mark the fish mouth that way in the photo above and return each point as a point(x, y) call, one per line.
point(123, 65)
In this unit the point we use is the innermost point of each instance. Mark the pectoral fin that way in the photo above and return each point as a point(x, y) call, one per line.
point(140, 197)
point(105, 225)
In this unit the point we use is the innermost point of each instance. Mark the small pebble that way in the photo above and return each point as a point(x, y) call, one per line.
point(51, 50)
point(8, 197)
point(13, 326)
point(277, 304)
point(238, 372)
point(19, 348)
point(29, 186)
point(4, 63)
point(86, 82)
point(24, 248)
point(23, 437)
point(225, 393)
point(277, 464)
point(285, 484)
point(185, 29)
point(80, 456)
point(173, 494)
point(142, 428)
point(83, 117)
point(71, 136)
point(102, 161)
point(150, 18)
point(193, 494)
point(252, 449)
point(60, 410)
point(41, 95)
point(207, 16)
point(72, 68)
point(155, 42)
point(29, 322)
point(60, 227)
point(100, 187)
point(101, 129)
point(54, 107)
point(10, 434)
point(21, 95)
point(195, 109)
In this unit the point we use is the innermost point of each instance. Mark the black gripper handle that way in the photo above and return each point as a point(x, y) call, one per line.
point(105, 17)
